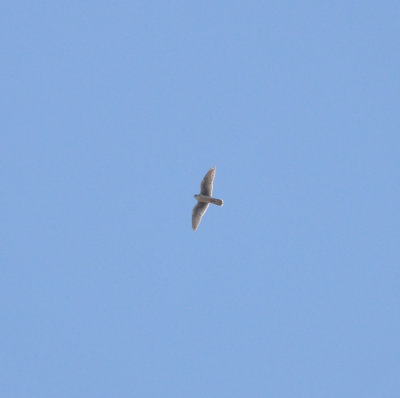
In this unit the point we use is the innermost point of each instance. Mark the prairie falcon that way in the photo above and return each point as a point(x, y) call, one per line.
point(205, 198)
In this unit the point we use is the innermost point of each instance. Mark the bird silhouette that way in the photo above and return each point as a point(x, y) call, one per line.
point(205, 198)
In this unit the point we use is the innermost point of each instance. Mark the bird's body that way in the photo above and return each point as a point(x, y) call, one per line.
point(205, 198)
point(209, 199)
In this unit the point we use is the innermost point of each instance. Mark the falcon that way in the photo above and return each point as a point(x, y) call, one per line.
point(205, 198)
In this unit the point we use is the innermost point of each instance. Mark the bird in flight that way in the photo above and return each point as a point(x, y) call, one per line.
point(205, 198)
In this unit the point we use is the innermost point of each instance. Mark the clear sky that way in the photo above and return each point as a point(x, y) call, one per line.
point(111, 114)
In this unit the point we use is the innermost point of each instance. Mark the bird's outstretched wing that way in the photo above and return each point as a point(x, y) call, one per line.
point(197, 213)
point(206, 186)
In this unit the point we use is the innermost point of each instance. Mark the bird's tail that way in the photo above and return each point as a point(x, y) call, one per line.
point(217, 202)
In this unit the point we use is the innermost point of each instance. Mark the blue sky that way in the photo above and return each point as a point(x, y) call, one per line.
point(112, 112)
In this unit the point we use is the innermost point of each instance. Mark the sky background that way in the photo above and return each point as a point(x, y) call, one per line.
point(111, 114)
